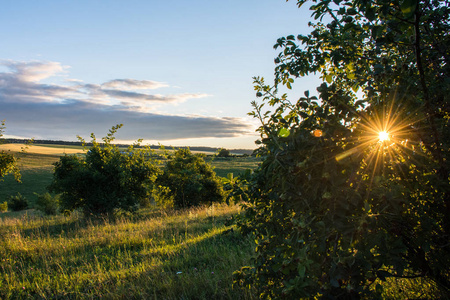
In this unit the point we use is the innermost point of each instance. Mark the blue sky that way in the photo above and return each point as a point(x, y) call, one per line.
point(174, 72)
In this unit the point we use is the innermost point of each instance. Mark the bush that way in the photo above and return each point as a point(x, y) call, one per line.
point(17, 202)
point(106, 180)
point(4, 207)
point(188, 181)
point(47, 204)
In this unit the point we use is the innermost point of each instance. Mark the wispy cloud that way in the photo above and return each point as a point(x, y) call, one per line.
point(133, 84)
point(62, 111)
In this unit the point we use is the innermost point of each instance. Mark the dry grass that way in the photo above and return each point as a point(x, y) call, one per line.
point(39, 149)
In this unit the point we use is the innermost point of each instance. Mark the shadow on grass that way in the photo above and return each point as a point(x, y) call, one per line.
point(198, 267)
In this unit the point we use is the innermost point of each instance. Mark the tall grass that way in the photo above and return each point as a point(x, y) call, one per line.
point(154, 255)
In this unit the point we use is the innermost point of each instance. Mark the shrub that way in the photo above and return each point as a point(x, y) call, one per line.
point(4, 207)
point(47, 204)
point(107, 179)
point(17, 202)
point(188, 181)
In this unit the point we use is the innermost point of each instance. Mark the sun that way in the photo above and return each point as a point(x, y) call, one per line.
point(383, 136)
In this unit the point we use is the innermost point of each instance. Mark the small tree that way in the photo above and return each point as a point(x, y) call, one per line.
point(188, 180)
point(222, 152)
point(107, 179)
point(4, 207)
point(17, 202)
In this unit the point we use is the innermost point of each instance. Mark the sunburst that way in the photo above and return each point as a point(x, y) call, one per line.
point(383, 137)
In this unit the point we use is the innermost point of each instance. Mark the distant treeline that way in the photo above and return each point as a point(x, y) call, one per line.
point(77, 143)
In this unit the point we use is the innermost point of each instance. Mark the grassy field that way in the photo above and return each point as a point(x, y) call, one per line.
point(153, 255)
point(36, 167)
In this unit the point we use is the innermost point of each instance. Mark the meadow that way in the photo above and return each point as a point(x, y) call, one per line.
point(155, 254)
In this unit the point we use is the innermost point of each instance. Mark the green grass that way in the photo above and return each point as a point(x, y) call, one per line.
point(36, 174)
point(154, 255)
point(235, 165)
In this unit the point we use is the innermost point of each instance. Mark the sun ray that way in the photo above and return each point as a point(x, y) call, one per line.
point(387, 140)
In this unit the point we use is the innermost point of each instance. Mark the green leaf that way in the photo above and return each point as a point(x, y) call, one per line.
point(301, 271)
point(329, 78)
point(284, 132)
point(408, 7)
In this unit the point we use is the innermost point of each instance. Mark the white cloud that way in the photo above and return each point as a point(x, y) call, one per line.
point(133, 84)
point(33, 71)
point(56, 111)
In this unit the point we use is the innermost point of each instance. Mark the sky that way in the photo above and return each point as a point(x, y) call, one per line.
point(174, 72)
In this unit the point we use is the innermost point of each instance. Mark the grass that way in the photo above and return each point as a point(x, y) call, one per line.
point(36, 174)
point(154, 255)
point(236, 165)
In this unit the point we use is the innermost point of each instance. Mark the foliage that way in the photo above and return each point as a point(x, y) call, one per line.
point(107, 179)
point(236, 188)
point(222, 152)
point(189, 181)
point(4, 206)
point(17, 202)
point(334, 209)
point(8, 162)
point(163, 196)
point(48, 204)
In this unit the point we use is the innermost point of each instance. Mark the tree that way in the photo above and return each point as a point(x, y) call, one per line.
point(222, 152)
point(354, 186)
point(188, 180)
point(8, 162)
point(107, 179)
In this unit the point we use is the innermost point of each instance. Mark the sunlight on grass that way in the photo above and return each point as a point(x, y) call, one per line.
point(169, 254)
